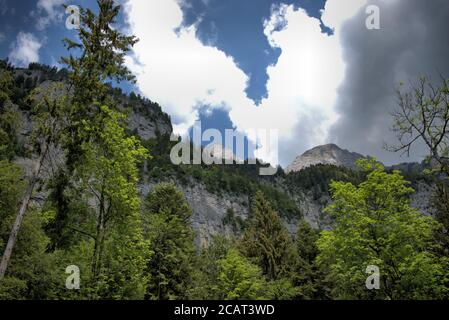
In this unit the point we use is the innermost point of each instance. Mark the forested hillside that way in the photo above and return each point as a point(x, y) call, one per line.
point(87, 186)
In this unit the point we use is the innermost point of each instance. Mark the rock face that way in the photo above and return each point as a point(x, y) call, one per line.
point(326, 154)
point(145, 118)
point(210, 210)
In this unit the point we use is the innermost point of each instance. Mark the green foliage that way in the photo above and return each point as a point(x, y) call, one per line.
point(239, 279)
point(111, 163)
point(266, 241)
point(9, 118)
point(48, 73)
point(11, 188)
point(281, 289)
point(92, 215)
point(206, 269)
point(95, 194)
point(122, 274)
point(308, 277)
point(221, 272)
point(6, 86)
point(440, 202)
point(318, 177)
point(101, 50)
point(105, 218)
point(237, 223)
point(375, 225)
point(32, 273)
point(71, 218)
point(167, 228)
point(101, 159)
point(110, 174)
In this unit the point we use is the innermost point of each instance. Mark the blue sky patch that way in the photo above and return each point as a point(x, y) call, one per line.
point(236, 28)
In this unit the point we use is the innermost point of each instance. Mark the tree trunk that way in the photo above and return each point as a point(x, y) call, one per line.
point(98, 240)
point(20, 215)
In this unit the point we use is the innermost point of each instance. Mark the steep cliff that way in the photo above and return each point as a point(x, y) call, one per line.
point(220, 196)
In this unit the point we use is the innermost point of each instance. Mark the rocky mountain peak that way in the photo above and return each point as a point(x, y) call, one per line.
point(325, 154)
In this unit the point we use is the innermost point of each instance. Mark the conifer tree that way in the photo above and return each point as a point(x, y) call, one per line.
point(100, 157)
point(167, 227)
point(309, 278)
point(100, 58)
point(267, 241)
point(97, 58)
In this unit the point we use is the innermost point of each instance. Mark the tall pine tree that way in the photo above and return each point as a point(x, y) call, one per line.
point(267, 241)
point(167, 227)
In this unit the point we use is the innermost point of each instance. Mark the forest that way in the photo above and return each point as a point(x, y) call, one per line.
point(76, 208)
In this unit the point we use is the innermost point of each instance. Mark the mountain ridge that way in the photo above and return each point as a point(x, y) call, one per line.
point(324, 154)
point(211, 191)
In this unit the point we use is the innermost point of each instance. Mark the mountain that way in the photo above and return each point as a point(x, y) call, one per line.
point(219, 195)
point(325, 154)
point(145, 118)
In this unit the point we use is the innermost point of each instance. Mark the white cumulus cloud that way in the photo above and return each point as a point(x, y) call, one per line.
point(49, 11)
point(175, 69)
point(25, 49)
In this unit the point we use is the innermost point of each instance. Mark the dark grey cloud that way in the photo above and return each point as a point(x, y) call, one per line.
point(300, 142)
point(413, 41)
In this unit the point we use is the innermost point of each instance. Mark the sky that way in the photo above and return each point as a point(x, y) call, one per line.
point(310, 69)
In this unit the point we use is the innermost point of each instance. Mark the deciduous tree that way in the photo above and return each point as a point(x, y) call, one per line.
point(375, 225)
